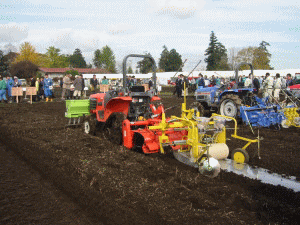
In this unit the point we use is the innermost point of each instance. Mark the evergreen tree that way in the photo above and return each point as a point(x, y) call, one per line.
point(175, 61)
point(216, 55)
point(145, 65)
point(97, 59)
point(163, 61)
point(108, 59)
point(169, 60)
point(129, 70)
point(105, 59)
point(77, 60)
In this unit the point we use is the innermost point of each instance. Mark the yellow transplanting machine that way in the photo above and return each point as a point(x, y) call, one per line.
point(202, 140)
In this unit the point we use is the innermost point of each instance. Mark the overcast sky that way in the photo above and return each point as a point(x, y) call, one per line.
point(139, 26)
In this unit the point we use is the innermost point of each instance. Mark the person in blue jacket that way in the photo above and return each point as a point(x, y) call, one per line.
point(9, 85)
point(201, 82)
point(48, 86)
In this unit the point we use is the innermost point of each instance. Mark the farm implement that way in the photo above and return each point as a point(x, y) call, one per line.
point(267, 114)
point(242, 104)
point(136, 119)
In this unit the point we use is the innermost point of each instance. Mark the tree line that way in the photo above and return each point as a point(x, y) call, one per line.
point(27, 61)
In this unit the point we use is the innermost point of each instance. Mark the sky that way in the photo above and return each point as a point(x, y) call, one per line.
point(140, 26)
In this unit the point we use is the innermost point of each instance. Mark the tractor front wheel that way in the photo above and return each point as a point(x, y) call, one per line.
point(230, 106)
point(240, 155)
point(89, 125)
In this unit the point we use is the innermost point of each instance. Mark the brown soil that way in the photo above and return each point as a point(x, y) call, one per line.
point(115, 185)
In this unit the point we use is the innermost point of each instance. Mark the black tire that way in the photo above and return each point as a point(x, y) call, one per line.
point(230, 105)
point(240, 155)
point(113, 132)
point(199, 107)
point(89, 125)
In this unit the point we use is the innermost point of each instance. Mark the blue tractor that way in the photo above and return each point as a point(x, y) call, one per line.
point(223, 99)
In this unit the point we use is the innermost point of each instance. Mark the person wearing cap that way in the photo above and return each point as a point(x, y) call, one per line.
point(9, 85)
point(2, 90)
point(48, 86)
point(17, 83)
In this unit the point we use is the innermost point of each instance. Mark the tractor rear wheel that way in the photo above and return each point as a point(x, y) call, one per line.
point(230, 105)
point(89, 125)
point(197, 106)
point(240, 155)
point(114, 132)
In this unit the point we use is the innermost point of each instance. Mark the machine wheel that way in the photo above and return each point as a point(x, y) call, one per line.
point(230, 106)
point(198, 106)
point(89, 125)
point(114, 132)
point(284, 124)
point(240, 155)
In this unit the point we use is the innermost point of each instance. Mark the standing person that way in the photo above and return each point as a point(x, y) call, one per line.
point(32, 84)
point(150, 83)
point(104, 80)
point(289, 81)
point(66, 87)
point(213, 81)
point(41, 88)
point(77, 87)
point(17, 83)
point(83, 86)
point(48, 88)
point(131, 82)
point(201, 82)
point(2, 90)
point(268, 86)
point(256, 85)
point(277, 87)
point(248, 81)
point(9, 85)
point(218, 81)
point(243, 80)
point(61, 82)
point(206, 81)
point(94, 82)
point(193, 84)
point(178, 86)
point(37, 87)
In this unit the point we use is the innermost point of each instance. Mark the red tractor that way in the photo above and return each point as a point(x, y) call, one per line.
point(121, 113)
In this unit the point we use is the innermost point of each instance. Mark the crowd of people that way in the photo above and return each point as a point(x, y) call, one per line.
point(74, 89)
point(266, 84)
point(43, 86)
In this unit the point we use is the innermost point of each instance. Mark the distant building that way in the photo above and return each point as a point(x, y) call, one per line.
point(60, 72)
